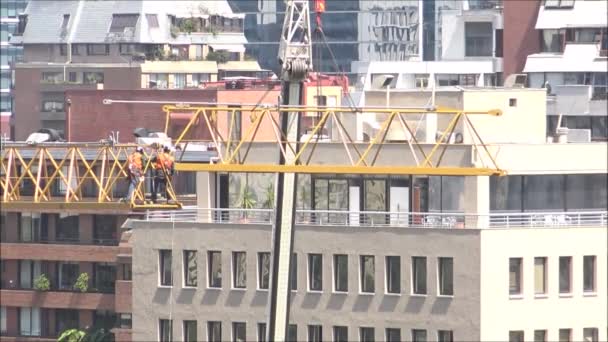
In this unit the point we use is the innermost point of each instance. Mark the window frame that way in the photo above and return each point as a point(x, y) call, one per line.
point(515, 338)
point(260, 278)
point(415, 289)
point(368, 329)
point(593, 288)
point(211, 325)
point(315, 330)
point(236, 326)
point(186, 259)
point(544, 337)
point(310, 272)
point(337, 330)
point(520, 278)
point(162, 327)
point(235, 255)
point(388, 277)
point(440, 274)
point(162, 268)
point(387, 332)
point(336, 274)
point(186, 331)
point(416, 338)
point(445, 335)
point(477, 49)
point(370, 289)
point(91, 50)
point(210, 269)
point(565, 330)
point(565, 292)
point(262, 332)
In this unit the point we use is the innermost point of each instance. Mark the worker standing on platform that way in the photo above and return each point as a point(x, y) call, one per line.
point(135, 172)
point(163, 170)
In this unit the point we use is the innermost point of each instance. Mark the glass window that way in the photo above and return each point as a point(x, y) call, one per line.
point(104, 277)
point(152, 20)
point(393, 335)
point(599, 128)
point(98, 49)
point(125, 320)
point(6, 79)
point(506, 193)
point(340, 273)
point(127, 49)
point(452, 193)
point(122, 21)
point(264, 270)
point(166, 274)
point(293, 278)
point(565, 274)
point(52, 106)
point(368, 270)
point(367, 334)
point(179, 81)
point(104, 319)
point(419, 275)
point(340, 334)
point(104, 229)
point(2, 319)
point(589, 273)
point(214, 331)
point(29, 270)
point(215, 268)
point(552, 41)
point(29, 227)
point(478, 39)
point(190, 268)
point(68, 273)
point(543, 192)
point(315, 333)
point(165, 330)
point(315, 272)
point(92, 77)
point(262, 332)
point(515, 279)
point(446, 276)
point(375, 200)
point(239, 270)
point(590, 335)
point(238, 331)
point(6, 102)
point(540, 335)
point(586, 191)
point(52, 77)
point(29, 321)
point(190, 333)
point(540, 275)
point(418, 335)
point(160, 81)
point(393, 274)
point(445, 336)
point(565, 335)
point(292, 333)
point(516, 336)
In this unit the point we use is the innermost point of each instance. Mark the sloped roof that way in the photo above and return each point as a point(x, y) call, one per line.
point(90, 20)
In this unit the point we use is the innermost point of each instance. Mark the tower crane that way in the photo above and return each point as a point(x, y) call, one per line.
point(295, 58)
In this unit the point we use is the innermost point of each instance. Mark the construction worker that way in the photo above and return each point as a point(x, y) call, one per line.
point(135, 171)
point(163, 169)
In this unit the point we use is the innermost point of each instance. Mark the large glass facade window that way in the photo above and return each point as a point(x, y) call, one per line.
point(29, 270)
point(331, 194)
point(30, 227)
point(506, 193)
point(67, 228)
point(478, 39)
point(68, 273)
point(66, 319)
point(29, 321)
point(543, 192)
point(104, 277)
point(104, 229)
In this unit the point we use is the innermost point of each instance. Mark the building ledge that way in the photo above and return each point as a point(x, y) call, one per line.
point(57, 300)
point(58, 252)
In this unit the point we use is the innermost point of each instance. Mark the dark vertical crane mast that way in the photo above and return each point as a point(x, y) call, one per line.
point(295, 57)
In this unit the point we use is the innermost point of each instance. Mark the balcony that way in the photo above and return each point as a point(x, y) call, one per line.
point(388, 219)
point(61, 86)
point(576, 100)
point(57, 299)
point(54, 251)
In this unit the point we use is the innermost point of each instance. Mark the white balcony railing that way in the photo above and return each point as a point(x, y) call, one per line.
point(386, 219)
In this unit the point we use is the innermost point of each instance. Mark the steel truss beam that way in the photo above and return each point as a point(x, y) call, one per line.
point(71, 176)
point(362, 155)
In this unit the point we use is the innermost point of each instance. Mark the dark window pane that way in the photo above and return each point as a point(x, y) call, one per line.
point(292, 333)
point(446, 276)
point(478, 39)
point(239, 270)
point(215, 268)
point(515, 285)
point(341, 273)
point(214, 331)
point(239, 332)
point(393, 335)
point(586, 191)
point(506, 193)
point(419, 275)
point(589, 273)
point(565, 274)
point(544, 192)
point(263, 270)
point(166, 274)
point(293, 278)
point(315, 272)
point(190, 333)
point(340, 334)
point(418, 335)
point(315, 333)
point(516, 336)
point(368, 270)
point(190, 268)
point(165, 332)
point(122, 21)
point(262, 332)
point(445, 336)
point(393, 274)
point(367, 334)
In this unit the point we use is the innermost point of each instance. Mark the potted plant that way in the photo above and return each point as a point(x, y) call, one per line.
point(42, 283)
point(82, 283)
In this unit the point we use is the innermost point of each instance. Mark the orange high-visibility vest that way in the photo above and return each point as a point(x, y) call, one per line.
point(135, 161)
point(164, 160)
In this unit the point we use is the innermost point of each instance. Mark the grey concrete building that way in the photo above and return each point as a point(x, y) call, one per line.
point(392, 258)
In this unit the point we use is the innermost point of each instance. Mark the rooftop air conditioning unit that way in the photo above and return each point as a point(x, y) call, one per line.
point(579, 135)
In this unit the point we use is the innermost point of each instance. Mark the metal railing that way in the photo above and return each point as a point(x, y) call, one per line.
point(386, 219)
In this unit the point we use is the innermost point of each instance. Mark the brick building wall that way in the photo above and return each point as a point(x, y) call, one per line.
point(520, 37)
point(91, 120)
